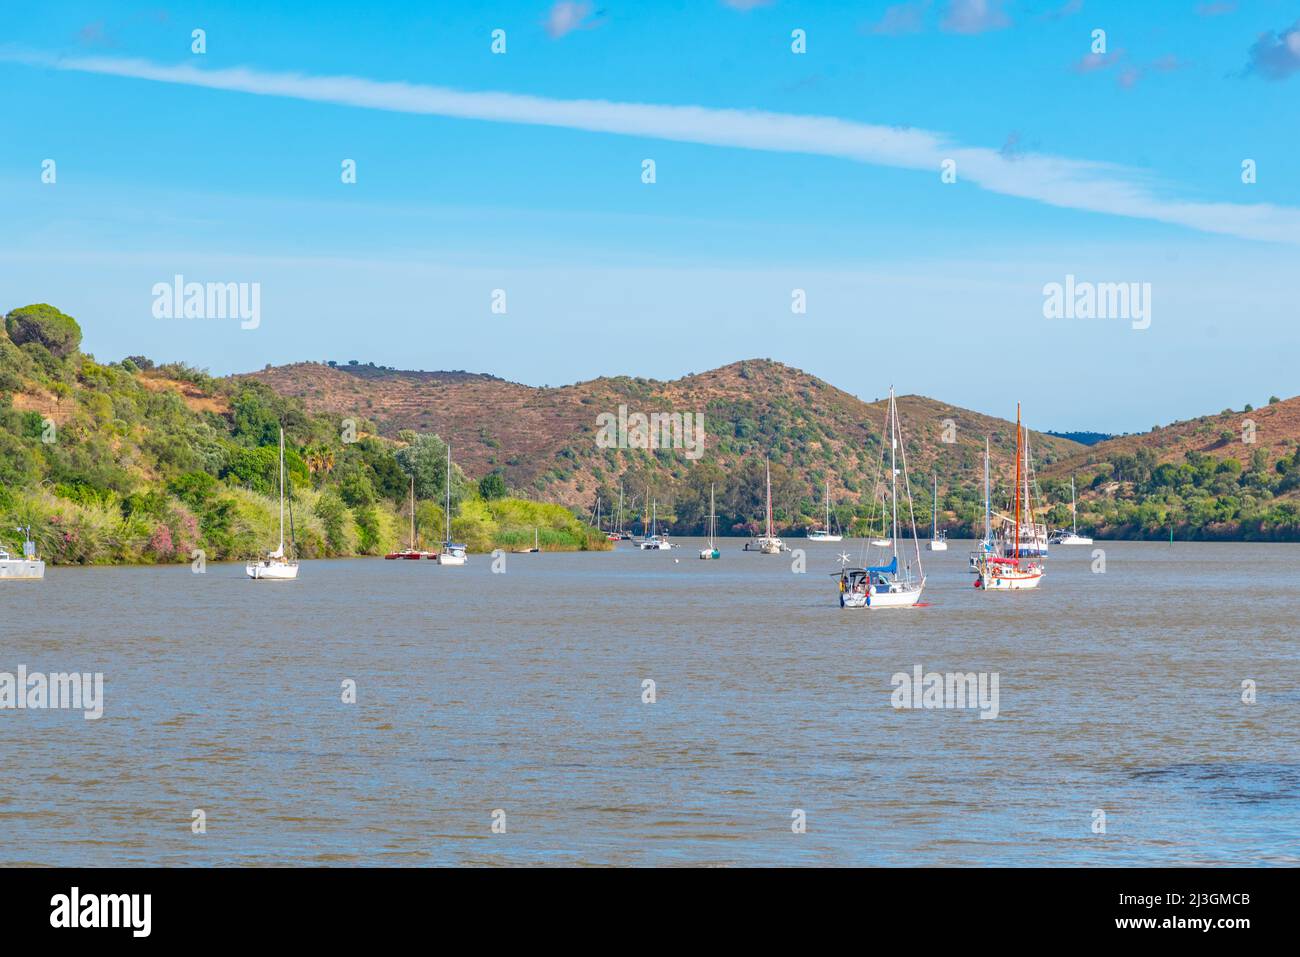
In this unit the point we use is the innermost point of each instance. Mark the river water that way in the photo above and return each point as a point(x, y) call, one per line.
point(1120, 691)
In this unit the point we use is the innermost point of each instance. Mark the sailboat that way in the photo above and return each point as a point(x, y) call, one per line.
point(411, 553)
point(1015, 562)
point(938, 541)
point(1062, 537)
point(616, 534)
point(275, 567)
point(29, 567)
point(985, 543)
point(886, 586)
point(712, 550)
point(881, 541)
point(654, 542)
point(530, 551)
point(451, 553)
point(767, 543)
point(824, 534)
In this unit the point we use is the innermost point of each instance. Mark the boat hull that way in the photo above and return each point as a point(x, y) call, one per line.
point(824, 537)
point(450, 558)
point(1073, 540)
point(905, 598)
point(271, 571)
point(936, 546)
point(709, 553)
point(22, 569)
point(1010, 580)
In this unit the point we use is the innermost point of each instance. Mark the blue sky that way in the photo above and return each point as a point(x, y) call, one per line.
point(817, 171)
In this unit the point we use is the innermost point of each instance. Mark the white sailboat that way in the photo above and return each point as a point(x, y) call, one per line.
point(654, 542)
point(451, 553)
point(938, 540)
point(888, 586)
point(767, 543)
point(1015, 562)
point(712, 550)
point(27, 568)
point(1062, 537)
point(881, 541)
point(275, 567)
point(824, 534)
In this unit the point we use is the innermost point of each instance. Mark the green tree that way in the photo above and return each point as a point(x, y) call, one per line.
point(41, 323)
point(492, 486)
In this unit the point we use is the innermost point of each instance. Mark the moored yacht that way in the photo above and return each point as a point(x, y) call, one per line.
point(892, 585)
point(654, 542)
point(712, 551)
point(451, 553)
point(275, 566)
point(411, 553)
point(1015, 562)
point(938, 540)
point(824, 534)
point(1071, 536)
point(767, 543)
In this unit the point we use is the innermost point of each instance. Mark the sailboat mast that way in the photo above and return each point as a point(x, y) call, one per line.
point(1017, 509)
point(713, 516)
point(447, 479)
point(769, 498)
point(893, 467)
point(934, 511)
point(987, 517)
point(620, 508)
point(412, 511)
point(282, 491)
point(1074, 509)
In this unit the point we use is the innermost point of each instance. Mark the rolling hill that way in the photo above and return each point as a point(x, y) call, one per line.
point(1197, 477)
point(545, 439)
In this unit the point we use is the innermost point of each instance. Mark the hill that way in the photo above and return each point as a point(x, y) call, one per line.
point(125, 462)
point(546, 439)
point(1226, 476)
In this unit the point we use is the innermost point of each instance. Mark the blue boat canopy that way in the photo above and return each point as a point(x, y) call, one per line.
point(891, 568)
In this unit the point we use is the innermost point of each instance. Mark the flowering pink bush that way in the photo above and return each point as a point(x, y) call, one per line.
point(160, 543)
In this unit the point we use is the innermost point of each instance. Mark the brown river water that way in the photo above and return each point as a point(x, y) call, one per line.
point(521, 692)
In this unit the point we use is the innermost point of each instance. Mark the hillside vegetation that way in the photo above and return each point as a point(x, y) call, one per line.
point(128, 462)
point(1198, 477)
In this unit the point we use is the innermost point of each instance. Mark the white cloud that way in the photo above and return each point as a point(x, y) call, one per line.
point(566, 16)
point(1276, 56)
point(1055, 180)
point(900, 18)
point(974, 16)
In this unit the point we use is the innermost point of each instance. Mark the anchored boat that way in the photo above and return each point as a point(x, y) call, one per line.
point(451, 553)
point(712, 550)
point(892, 585)
point(275, 567)
point(412, 553)
point(824, 534)
point(1072, 537)
point(767, 543)
point(1015, 561)
point(938, 540)
point(654, 542)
